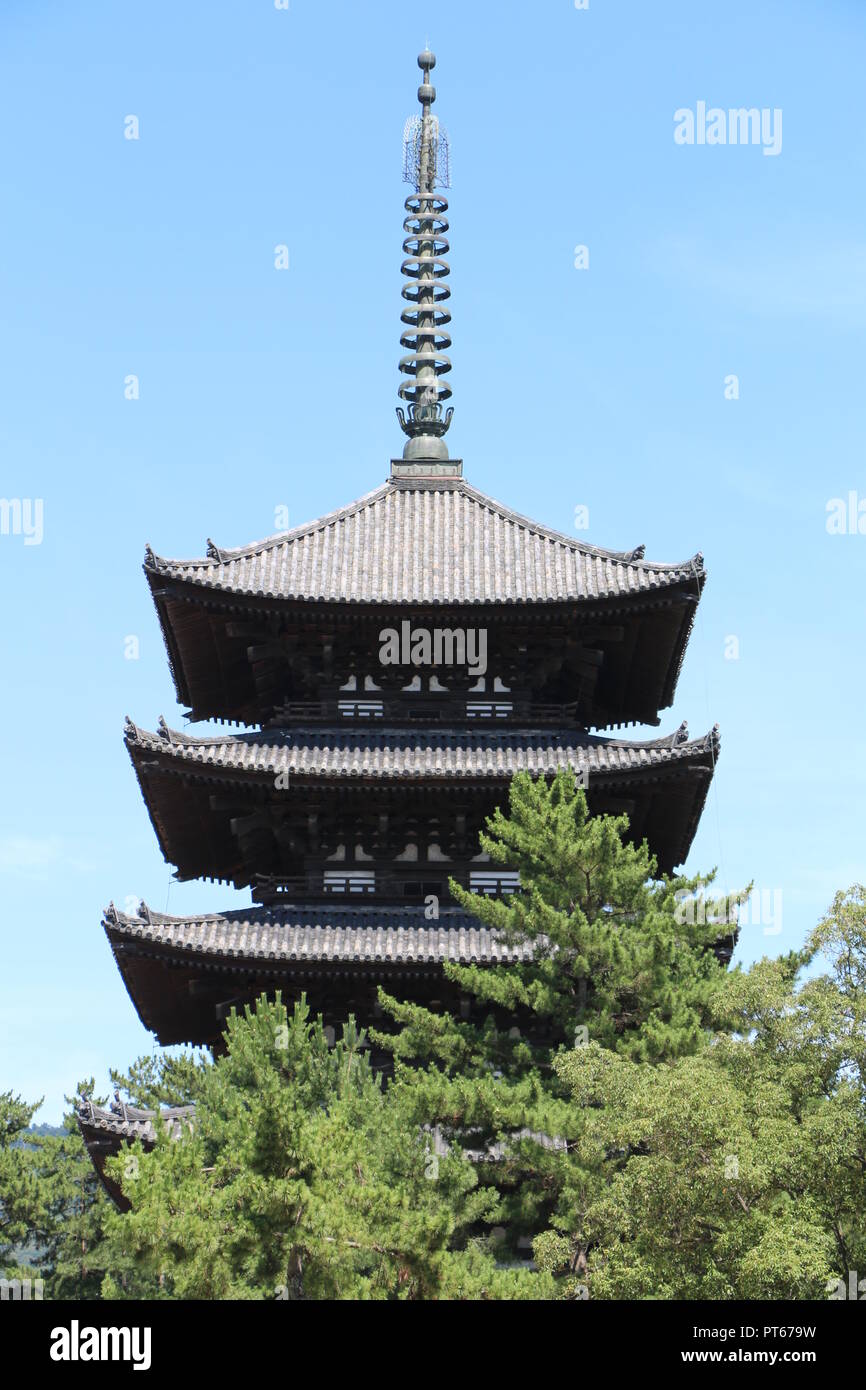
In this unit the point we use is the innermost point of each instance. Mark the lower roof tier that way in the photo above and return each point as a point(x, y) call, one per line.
point(184, 974)
point(282, 802)
point(104, 1131)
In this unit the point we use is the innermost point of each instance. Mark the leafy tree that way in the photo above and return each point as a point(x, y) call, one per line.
point(77, 1256)
point(305, 1178)
point(739, 1172)
point(51, 1204)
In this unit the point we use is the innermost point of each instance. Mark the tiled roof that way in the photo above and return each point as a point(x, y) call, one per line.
point(397, 935)
point(104, 1131)
point(433, 543)
point(411, 753)
point(123, 1121)
point(116, 1127)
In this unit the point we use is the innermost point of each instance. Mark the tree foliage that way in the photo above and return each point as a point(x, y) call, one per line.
point(24, 1209)
point(641, 1121)
point(612, 959)
point(739, 1172)
point(305, 1178)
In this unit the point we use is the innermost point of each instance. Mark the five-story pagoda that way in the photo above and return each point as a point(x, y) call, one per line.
point(397, 661)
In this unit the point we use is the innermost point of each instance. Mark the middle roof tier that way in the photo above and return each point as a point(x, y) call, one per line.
point(392, 812)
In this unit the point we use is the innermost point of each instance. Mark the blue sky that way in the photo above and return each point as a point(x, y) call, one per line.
point(259, 388)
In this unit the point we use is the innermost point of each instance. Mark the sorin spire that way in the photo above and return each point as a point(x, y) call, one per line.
point(426, 339)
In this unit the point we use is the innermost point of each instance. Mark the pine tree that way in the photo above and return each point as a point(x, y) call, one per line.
point(71, 1260)
point(304, 1178)
point(613, 960)
point(24, 1213)
point(74, 1256)
point(152, 1081)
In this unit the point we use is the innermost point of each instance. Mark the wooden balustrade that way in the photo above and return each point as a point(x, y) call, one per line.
point(346, 886)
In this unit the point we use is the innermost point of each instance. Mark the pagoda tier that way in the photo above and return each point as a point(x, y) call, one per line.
point(105, 1132)
point(392, 813)
point(185, 974)
point(289, 629)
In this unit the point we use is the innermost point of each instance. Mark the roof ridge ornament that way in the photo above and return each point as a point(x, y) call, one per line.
point(426, 165)
point(153, 561)
point(84, 1106)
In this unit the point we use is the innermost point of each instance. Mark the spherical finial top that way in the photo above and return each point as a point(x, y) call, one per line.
point(426, 60)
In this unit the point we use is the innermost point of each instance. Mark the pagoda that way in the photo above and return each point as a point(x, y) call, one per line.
point(392, 664)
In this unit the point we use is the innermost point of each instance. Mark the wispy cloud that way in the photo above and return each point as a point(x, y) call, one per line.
point(34, 856)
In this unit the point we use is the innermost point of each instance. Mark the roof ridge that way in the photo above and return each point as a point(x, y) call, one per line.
point(282, 737)
point(261, 914)
point(218, 555)
point(625, 557)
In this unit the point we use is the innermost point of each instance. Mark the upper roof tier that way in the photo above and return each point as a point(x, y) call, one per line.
point(292, 618)
point(427, 542)
point(271, 633)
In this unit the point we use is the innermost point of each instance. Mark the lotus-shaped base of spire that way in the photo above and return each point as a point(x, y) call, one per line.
point(425, 428)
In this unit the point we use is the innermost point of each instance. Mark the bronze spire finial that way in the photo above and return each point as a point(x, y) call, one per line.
point(426, 166)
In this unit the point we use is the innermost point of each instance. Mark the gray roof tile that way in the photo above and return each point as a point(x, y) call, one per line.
point(412, 753)
point(311, 934)
point(434, 543)
point(128, 1122)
